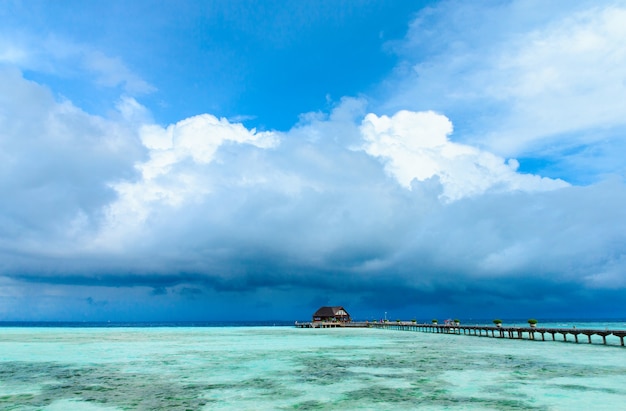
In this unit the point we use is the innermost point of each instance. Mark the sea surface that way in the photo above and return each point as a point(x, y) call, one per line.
point(124, 367)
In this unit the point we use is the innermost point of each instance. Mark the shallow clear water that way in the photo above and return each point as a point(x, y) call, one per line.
point(273, 368)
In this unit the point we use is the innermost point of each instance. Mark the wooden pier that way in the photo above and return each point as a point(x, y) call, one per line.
point(526, 333)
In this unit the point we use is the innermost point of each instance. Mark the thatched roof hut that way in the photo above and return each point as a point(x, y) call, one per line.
point(337, 313)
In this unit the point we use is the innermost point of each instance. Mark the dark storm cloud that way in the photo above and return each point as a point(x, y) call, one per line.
point(379, 211)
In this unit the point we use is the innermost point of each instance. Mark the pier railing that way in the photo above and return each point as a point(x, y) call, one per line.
point(527, 333)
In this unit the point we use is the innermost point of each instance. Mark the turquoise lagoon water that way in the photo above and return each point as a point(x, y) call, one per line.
point(284, 368)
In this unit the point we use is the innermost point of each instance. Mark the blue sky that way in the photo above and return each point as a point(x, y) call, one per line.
point(255, 160)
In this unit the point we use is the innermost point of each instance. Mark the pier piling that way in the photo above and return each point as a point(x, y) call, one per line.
point(477, 330)
point(520, 333)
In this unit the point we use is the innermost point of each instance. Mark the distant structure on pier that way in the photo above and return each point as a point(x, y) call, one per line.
point(332, 314)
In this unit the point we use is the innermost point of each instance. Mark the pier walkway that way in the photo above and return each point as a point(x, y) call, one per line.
point(527, 333)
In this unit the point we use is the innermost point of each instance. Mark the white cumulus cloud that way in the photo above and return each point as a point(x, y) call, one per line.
point(415, 146)
point(175, 171)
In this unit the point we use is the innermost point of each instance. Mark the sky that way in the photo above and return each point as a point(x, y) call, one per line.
point(255, 160)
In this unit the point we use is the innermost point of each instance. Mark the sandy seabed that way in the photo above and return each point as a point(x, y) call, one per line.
point(284, 368)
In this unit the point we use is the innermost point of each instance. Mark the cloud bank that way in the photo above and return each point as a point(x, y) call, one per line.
point(345, 201)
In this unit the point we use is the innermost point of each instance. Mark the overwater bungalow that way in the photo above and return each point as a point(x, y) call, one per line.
point(331, 314)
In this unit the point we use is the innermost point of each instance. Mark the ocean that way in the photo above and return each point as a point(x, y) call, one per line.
point(156, 367)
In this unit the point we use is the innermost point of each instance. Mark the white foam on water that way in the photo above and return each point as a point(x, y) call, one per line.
point(77, 404)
